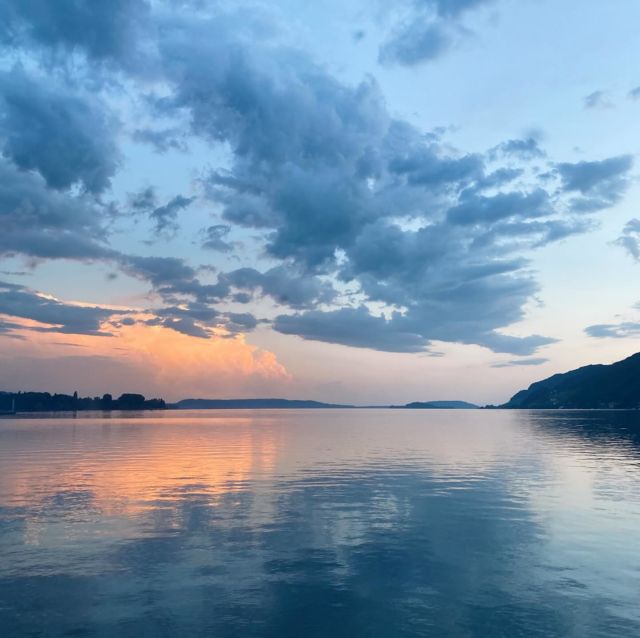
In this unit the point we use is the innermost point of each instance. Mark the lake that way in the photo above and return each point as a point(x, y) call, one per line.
point(358, 523)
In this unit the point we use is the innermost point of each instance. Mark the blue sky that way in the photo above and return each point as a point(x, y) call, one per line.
point(356, 201)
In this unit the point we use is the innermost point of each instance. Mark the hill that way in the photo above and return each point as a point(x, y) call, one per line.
point(250, 404)
point(614, 386)
point(437, 405)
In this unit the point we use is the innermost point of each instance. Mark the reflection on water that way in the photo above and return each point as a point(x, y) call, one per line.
point(314, 523)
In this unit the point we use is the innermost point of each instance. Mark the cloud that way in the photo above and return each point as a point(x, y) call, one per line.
point(475, 209)
point(163, 141)
point(66, 137)
point(102, 30)
point(415, 42)
point(598, 100)
point(215, 238)
point(42, 223)
point(536, 361)
point(630, 238)
point(21, 302)
point(358, 327)
point(429, 243)
point(426, 30)
point(634, 94)
point(153, 360)
point(355, 327)
point(601, 183)
point(165, 216)
point(614, 331)
point(525, 149)
point(283, 284)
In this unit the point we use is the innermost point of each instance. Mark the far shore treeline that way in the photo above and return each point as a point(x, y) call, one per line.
point(46, 402)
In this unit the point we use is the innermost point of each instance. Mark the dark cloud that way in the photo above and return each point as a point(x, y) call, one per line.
point(601, 184)
point(536, 361)
point(68, 139)
point(355, 327)
point(7, 328)
point(630, 238)
point(480, 209)
point(160, 271)
point(614, 331)
point(215, 238)
point(144, 201)
point(283, 284)
point(431, 242)
point(101, 30)
point(200, 320)
point(165, 216)
point(41, 223)
point(323, 170)
point(358, 327)
point(598, 100)
point(426, 29)
point(19, 301)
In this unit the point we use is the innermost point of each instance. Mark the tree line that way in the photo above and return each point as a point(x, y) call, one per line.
point(46, 402)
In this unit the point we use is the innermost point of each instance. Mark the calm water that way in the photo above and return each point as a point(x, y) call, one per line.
point(321, 523)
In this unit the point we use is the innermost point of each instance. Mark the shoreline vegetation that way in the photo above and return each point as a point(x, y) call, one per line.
point(16, 402)
point(614, 386)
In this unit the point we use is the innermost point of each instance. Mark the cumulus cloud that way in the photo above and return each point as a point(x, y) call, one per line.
point(42, 223)
point(101, 30)
point(67, 138)
point(355, 327)
point(432, 242)
point(153, 360)
point(426, 29)
point(283, 284)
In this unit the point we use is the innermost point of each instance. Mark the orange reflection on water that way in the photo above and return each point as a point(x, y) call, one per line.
point(125, 467)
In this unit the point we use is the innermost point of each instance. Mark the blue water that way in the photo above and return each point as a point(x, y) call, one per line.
point(369, 523)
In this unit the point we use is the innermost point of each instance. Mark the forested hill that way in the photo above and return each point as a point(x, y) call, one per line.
point(594, 386)
point(46, 402)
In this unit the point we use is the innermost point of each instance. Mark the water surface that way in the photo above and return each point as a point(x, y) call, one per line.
point(369, 523)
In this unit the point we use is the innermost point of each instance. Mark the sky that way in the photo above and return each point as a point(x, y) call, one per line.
point(347, 201)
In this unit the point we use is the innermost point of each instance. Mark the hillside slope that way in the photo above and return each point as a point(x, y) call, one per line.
point(594, 386)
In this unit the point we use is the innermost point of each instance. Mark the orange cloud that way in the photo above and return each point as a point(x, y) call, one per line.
point(153, 360)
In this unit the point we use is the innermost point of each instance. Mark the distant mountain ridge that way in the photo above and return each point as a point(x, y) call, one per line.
point(251, 404)
point(614, 386)
point(438, 405)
